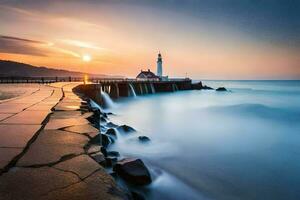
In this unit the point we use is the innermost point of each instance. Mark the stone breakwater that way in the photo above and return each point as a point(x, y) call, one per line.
point(62, 160)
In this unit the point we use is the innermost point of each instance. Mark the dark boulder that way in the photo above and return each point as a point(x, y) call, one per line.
point(98, 157)
point(103, 119)
point(113, 153)
point(197, 86)
point(112, 132)
point(221, 89)
point(144, 139)
point(111, 125)
point(137, 196)
point(126, 129)
point(205, 87)
point(111, 161)
point(133, 170)
point(106, 140)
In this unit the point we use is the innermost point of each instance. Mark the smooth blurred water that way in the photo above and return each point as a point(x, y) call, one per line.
point(243, 144)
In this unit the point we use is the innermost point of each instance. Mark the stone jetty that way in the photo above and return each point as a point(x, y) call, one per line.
point(43, 154)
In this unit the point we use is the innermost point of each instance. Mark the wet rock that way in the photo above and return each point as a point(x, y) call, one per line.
point(104, 115)
point(137, 196)
point(106, 140)
point(98, 157)
point(103, 119)
point(205, 87)
point(197, 86)
point(111, 132)
point(93, 149)
point(111, 161)
point(144, 139)
point(113, 153)
point(126, 129)
point(133, 170)
point(221, 89)
point(111, 125)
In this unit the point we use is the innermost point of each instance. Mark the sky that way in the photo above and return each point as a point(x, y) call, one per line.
point(201, 39)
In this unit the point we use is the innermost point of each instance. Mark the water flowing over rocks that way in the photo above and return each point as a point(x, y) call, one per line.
point(221, 89)
point(126, 129)
point(144, 139)
point(133, 170)
point(112, 132)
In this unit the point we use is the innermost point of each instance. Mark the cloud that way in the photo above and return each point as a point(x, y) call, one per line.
point(81, 44)
point(18, 45)
point(3, 37)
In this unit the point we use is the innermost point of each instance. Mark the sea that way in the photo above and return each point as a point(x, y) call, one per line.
point(240, 144)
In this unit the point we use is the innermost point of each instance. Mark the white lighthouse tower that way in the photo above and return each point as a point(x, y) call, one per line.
point(159, 66)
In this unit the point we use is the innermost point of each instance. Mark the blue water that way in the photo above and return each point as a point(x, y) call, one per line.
point(242, 144)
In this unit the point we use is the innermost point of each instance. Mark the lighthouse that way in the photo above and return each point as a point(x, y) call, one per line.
point(159, 66)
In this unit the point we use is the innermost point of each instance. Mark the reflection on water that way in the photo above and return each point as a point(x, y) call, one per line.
point(243, 144)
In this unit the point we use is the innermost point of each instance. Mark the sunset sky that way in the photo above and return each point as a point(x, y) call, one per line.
point(220, 39)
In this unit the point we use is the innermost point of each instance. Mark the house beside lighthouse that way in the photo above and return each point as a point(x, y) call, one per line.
point(148, 75)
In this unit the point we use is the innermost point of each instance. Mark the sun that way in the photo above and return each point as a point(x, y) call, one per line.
point(86, 58)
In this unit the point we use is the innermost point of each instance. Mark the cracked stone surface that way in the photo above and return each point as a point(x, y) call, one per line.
point(75, 165)
point(83, 129)
point(62, 123)
point(33, 183)
point(90, 188)
point(27, 117)
point(50, 163)
point(51, 146)
point(7, 154)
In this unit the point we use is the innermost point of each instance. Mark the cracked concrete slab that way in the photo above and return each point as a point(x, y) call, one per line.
point(76, 165)
point(51, 146)
point(66, 114)
point(4, 115)
point(27, 117)
point(98, 186)
point(33, 183)
point(16, 135)
point(83, 129)
point(62, 123)
point(7, 154)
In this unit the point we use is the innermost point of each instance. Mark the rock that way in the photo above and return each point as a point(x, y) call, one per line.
point(111, 125)
point(111, 132)
point(137, 196)
point(93, 149)
point(111, 161)
point(126, 129)
point(205, 87)
point(106, 140)
point(98, 157)
point(104, 115)
point(144, 139)
point(113, 153)
point(197, 86)
point(221, 89)
point(103, 119)
point(133, 170)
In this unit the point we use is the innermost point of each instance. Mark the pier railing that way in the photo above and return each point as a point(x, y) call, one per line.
point(47, 80)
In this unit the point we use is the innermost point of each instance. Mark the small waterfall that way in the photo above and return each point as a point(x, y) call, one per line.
point(146, 88)
point(132, 92)
point(152, 88)
point(174, 87)
point(107, 100)
point(141, 89)
point(95, 105)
